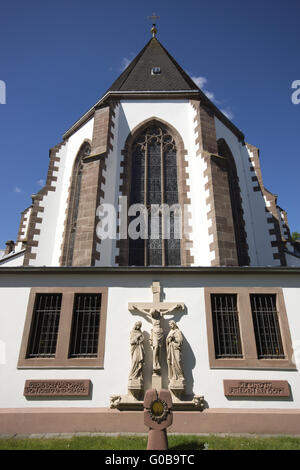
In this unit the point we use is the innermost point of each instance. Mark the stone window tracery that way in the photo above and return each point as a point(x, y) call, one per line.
point(154, 181)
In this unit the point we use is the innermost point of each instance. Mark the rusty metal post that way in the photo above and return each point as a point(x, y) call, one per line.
point(158, 416)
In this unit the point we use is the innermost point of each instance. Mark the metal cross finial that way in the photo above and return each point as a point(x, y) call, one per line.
point(153, 29)
point(153, 17)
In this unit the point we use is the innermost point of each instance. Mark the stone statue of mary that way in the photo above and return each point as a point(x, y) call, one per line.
point(137, 353)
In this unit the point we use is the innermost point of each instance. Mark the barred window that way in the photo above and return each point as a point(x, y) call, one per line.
point(266, 326)
point(85, 325)
point(44, 327)
point(226, 326)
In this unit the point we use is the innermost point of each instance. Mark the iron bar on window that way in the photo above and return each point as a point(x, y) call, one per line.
point(266, 326)
point(226, 326)
point(44, 328)
point(85, 325)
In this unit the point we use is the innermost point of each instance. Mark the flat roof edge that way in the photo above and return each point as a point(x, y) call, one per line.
point(154, 269)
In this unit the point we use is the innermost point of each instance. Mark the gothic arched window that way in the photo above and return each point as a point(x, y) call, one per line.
point(236, 203)
point(74, 198)
point(154, 184)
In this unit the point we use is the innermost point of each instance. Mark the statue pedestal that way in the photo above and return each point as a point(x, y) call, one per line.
point(136, 388)
point(156, 381)
point(177, 387)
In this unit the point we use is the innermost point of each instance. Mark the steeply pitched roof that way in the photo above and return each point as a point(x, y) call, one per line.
point(138, 77)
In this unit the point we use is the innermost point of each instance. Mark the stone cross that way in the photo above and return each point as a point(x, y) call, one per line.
point(155, 310)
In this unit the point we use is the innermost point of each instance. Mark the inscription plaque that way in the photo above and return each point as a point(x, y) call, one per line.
point(57, 388)
point(256, 388)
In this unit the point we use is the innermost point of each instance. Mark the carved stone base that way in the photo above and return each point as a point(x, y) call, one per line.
point(177, 387)
point(129, 402)
point(156, 381)
point(136, 388)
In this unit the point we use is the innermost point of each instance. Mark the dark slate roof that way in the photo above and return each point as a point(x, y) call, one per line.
point(137, 76)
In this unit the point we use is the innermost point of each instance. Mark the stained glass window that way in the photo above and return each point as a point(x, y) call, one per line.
point(154, 183)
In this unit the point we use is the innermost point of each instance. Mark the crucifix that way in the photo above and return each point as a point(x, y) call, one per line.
point(155, 311)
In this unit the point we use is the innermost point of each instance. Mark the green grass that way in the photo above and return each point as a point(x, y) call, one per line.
point(176, 442)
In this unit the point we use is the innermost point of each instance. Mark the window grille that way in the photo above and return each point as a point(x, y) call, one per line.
point(85, 325)
point(44, 327)
point(226, 326)
point(266, 326)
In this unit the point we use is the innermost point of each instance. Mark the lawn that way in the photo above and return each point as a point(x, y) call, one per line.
point(176, 442)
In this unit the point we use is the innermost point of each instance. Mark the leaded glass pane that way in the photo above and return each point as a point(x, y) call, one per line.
point(154, 155)
point(154, 173)
point(154, 245)
point(170, 178)
point(138, 176)
point(172, 244)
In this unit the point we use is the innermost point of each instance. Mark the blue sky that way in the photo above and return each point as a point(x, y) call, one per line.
point(58, 58)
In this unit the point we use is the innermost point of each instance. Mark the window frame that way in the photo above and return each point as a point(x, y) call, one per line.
point(61, 358)
point(250, 356)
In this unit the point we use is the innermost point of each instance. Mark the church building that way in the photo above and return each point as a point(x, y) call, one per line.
point(153, 257)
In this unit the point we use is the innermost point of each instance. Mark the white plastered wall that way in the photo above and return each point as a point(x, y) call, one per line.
point(13, 260)
point(112, 379)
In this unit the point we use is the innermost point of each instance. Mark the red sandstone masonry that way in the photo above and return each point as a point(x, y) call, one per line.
point(214, 420)
point(285, 225)
point(92, 183)
point(22, 227)
point(222, 227)
point(271, 209)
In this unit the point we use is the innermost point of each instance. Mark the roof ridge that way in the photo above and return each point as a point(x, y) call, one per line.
point(130, 67)
point(186, 77)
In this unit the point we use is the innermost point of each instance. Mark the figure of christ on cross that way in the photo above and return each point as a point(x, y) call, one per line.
point(155, 310)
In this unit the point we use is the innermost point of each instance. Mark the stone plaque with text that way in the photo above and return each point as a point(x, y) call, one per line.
point(256, 388)
point(57, 388)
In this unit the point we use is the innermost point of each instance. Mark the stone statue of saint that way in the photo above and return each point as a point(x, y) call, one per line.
point(174, 354)
point(137, 352)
